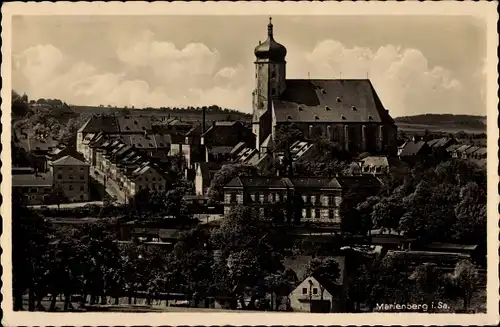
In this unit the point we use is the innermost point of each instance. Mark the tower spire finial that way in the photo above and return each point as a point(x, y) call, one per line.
point(270, 27)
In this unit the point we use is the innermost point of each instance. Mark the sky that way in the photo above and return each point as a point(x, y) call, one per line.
point(417, 64)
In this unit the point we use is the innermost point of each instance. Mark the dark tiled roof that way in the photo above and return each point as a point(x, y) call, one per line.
point(96, 124)
point(142, 141)
point(481, 151)
point(134, 124)
point(265, 182)
point(238, 147)
point(27, 180)
point(412, 148)
point(463, 148)
point(42, 144)
point(359, 181)
point(333, 100)
point(162, 141)
point(432, 142)
point(442, 142)
point(315, 182)
point(453, 147)
point(472, 149)
point(220, 150)
point(69, 161)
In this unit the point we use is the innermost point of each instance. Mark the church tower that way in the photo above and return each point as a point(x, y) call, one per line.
point(270, 81)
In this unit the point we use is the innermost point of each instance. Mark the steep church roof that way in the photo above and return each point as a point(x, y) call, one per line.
point(335, 100)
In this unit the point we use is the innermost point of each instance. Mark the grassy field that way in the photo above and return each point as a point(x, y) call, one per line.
point(420, 128)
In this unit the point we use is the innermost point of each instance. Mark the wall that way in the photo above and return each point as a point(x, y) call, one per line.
point(73, 180)
point(33, 195)
point(297, 295)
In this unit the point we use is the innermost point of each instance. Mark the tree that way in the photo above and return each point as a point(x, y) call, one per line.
point(31, 237)
point(192, 262)
point(326, 269)
point(465, 278)
point(225, 175)
point(471, 214)
point(247, 253)
point(20, 107)
point(56, 196)
point(427, 281)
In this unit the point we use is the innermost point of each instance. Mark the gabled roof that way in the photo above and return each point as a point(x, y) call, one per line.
point(216, 150)
point(27, 180)
point(258, 181)
point(141, 141)
point(162, 140)
point(376, 161)
point(442, 142)
point(365, 181)
point(315, 182)
point(134, 124)
point(463, 148)
point(96, 124)
point(432, 142)
point(412, 148)
point(237, 148)
point(453, 147)
point(472, 149)
point(69, 161)
point(481, 151)
point(335, 100)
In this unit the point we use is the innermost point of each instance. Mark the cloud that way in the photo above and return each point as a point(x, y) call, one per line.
point(158, 73)
point(402, 77)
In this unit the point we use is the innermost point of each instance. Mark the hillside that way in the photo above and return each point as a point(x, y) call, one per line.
point(442, 122)
point(186, 114)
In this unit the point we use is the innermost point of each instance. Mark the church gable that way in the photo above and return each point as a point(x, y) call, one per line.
point(343, 101)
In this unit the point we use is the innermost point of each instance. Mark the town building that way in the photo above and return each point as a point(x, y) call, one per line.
point(319, 295)
point(347, 111)
point(32, 188)
point(304, 199)
point(71, 176)
point(413, 151)
point(378, 165)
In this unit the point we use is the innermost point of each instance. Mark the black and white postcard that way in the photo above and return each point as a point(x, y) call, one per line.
point(249, 163)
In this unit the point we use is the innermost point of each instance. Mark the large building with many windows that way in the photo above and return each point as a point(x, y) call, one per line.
point(71, 176)
point(347, 111)
point(314, 199)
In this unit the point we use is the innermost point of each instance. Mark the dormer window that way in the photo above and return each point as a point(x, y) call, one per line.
point(354, 108)
point(343, 117)
point(323, 91)
point(135, 122)
point(289, 117)
point(339, 99)
point(301, 109)
point(316, 117)
point(370, 117)
point(327, 108)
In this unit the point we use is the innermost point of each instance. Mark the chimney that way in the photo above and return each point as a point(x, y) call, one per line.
point(203, 117)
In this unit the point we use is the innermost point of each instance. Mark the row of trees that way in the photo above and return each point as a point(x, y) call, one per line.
point(242, 259)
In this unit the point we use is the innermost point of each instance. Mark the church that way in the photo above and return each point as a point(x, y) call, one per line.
point(347, 111)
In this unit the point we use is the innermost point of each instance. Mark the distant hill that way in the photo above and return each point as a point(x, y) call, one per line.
point(187, 114)
point(442, 122)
